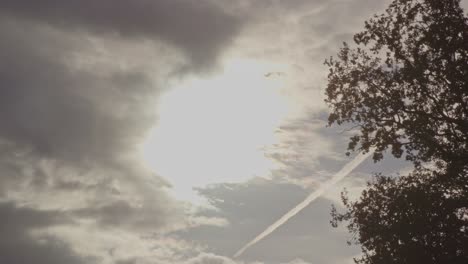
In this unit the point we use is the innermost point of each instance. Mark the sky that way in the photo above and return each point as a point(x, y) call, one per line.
point(172, 131)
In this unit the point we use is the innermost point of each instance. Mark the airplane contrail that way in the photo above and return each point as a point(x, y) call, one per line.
point(314, 195)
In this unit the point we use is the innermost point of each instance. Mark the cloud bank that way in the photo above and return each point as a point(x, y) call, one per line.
point(78, 86)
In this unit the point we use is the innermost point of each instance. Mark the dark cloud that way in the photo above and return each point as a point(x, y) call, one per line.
point(58, 111)
point(122, 214)
point(77, 97)
point(200, 28)
point(92, 115)
point(18, 246)
point(127, 261)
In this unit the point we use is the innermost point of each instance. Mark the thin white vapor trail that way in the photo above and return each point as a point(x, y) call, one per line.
point(314, 195)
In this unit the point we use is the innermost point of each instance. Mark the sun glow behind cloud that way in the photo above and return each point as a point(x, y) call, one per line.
point(216, 130)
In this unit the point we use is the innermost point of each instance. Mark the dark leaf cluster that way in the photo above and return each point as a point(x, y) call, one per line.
point(404, 85)
point(420, 218)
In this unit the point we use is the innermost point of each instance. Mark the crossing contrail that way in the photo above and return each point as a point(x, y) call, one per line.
point(314, 195)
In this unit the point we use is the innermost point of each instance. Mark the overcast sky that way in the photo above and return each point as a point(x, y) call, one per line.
point(172, 131)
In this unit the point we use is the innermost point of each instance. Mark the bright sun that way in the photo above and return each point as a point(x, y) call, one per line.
point(215, 130)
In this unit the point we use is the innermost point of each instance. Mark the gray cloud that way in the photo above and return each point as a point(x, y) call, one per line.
point(18, 246)
point(145, 217)
point(86, 122)
point(79, 82)
point(305, 148)
point(200, 28)
point(60, 111)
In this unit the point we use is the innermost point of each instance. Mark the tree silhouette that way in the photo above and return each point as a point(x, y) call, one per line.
point(405, 88)
point(420, 218)
point(406, 84)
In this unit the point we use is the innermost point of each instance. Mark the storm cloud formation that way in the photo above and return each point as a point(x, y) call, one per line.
point(16, 225)
point(42, 89)
point(200, 28)
point(79, 81)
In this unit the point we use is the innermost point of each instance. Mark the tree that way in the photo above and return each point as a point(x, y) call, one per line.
point(420, 218)
point(405, 86)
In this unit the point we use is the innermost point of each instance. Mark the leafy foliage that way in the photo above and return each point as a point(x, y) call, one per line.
point(405, 87)
point(406, 83)
point(420, 218)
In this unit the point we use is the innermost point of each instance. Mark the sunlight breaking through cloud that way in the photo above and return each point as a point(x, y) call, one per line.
point(216, 130)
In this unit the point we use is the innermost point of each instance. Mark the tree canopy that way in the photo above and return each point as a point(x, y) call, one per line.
point(406, 84)
point(420, 218)
point(404, 87)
